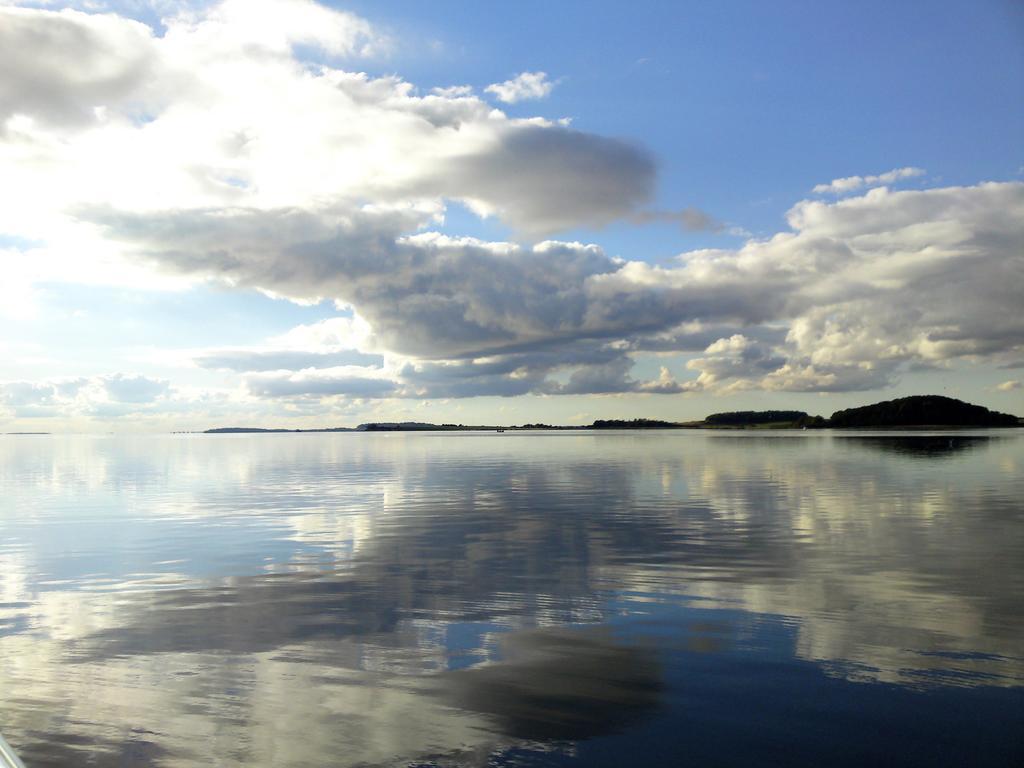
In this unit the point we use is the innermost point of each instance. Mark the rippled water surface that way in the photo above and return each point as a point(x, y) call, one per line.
point(659, 598)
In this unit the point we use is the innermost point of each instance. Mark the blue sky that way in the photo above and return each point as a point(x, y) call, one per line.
point(222, 180)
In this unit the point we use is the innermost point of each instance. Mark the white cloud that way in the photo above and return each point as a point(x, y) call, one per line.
point(248, 360)
point(853, 183)
point(275, 26)
point(134, 389)
point(453, 91)
point(1009, 386)
point(337, 341)
point(736, 358)
point(347, 381)
point(110, 395)
point(60, 66)
point(524, 86)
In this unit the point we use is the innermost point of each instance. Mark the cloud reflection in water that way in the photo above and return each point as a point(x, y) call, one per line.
point(383, 598)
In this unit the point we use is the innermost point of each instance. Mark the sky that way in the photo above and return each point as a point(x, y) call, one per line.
point(284, 213)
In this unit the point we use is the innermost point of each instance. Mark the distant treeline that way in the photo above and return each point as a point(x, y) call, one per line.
point(258, 430)
point(634, 424)
point(755, 417)
point(406, 426)
point(915, 411)
point(922, 411)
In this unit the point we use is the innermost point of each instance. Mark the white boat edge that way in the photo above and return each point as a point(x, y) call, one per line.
point(7, 757)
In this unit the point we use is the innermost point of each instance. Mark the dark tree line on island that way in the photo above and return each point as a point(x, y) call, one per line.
point(727, 420)
point(922, 411)
point(915, 411)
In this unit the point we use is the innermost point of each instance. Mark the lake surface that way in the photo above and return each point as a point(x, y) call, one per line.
point(527, 599)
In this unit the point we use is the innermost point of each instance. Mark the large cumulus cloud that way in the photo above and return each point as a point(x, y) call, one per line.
point(855, 293)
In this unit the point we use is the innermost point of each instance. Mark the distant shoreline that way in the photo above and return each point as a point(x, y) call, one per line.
point(590, 428)
point(918, 412)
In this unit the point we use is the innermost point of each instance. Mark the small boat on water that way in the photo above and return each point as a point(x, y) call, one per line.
point(7, 757)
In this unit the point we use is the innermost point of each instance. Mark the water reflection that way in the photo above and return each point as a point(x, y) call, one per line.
point(928, 446)
point(559, 684)
point(365, 599)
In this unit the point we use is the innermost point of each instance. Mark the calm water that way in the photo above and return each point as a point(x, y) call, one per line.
point(673, 598)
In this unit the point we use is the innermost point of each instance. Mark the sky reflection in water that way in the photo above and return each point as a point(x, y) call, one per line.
point(660, 598)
